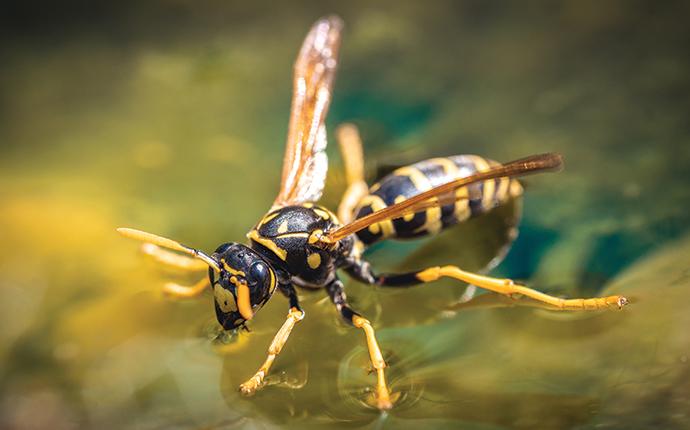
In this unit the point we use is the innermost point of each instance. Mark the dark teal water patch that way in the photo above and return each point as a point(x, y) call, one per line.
point(533, 242)
point(386, 117)
point(614, 252)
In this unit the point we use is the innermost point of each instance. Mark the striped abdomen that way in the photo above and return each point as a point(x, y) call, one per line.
point(409, 181)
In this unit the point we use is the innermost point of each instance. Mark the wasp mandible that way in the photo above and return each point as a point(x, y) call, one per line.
point(299, 243)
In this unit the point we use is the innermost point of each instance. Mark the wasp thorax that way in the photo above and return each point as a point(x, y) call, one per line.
point(245, 283)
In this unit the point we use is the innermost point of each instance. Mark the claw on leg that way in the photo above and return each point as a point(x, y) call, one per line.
point(253, 384)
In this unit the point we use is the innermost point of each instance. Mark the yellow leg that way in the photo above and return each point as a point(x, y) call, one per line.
point(172, 259)
point(383, 398)
point(353, 157)
point(255, 382)
point(508, 287)
point(495, 300)
point(182, 291)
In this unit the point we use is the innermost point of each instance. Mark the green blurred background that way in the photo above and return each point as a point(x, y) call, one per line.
point(171, 117)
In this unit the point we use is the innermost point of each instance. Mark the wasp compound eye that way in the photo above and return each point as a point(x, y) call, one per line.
point(262, 282)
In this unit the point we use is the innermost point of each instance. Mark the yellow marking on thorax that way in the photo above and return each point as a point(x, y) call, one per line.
point(301, 234)
point(322, 213)
point(308, 205)
point(327, 214)
point(268, 243)
point(283, 227)
point(314, 260)
point(268, 217)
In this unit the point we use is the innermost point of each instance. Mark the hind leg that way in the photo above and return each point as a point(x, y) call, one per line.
point(353, 157)
point(362, 271)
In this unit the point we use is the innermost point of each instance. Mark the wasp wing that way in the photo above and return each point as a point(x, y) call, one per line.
point(444, 194)
point(305, 163)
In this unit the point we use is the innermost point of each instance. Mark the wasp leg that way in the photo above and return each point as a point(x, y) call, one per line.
point(295, 314)
point(337, 294)
point(494, 300)
point(172, 259)
point(181, 262)
point(362, 271)
point(353, 157)
point(183, 291)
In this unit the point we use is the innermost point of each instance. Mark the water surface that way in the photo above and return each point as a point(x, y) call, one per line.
point(171, 118)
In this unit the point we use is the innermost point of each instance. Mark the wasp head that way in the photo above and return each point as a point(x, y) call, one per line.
point(245, 283)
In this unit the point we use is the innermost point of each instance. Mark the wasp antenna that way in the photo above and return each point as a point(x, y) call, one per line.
point(168, 243)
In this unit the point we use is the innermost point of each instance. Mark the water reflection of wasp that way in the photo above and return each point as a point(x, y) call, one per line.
point(301, 244)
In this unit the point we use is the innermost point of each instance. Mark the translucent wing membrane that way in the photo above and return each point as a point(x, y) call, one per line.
point(445, 194)
point(305, 162)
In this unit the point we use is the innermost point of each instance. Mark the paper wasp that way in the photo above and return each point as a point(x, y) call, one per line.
point(301, 244)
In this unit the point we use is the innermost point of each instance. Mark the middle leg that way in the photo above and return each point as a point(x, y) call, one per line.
point(337, 294)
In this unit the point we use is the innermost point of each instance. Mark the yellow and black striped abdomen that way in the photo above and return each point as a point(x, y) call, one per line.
point(409, 181)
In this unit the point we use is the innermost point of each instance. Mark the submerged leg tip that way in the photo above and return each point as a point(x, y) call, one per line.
point(622, 301)
point(249, 388)
point(384, 405)
point(381, 402)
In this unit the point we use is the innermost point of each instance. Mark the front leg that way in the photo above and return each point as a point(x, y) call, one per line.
point(337, 294)
point(295, 314)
